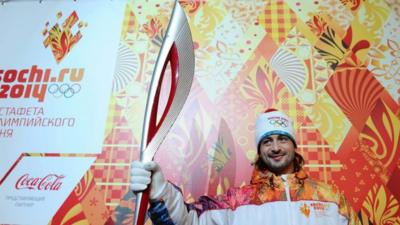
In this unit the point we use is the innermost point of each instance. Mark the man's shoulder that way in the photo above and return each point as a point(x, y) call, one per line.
point(325, 190)
point(321, 183)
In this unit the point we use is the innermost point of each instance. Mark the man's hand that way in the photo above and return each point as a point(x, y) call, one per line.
point(143, 174)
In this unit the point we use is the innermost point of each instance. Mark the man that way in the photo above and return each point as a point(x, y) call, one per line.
point(280, 192)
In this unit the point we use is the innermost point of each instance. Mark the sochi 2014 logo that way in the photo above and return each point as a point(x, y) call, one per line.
point(61, 38)
point(35, 82)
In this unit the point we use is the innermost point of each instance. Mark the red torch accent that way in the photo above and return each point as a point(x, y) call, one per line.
point(154, 126)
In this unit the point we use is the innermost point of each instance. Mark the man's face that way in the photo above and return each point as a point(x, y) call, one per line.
point(277, 152)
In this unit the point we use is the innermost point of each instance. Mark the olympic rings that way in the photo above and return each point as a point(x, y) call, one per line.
point(278, 122)
point(66, 90)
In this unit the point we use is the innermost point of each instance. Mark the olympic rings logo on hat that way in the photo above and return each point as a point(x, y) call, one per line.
point(278, 122)
point(66, 90)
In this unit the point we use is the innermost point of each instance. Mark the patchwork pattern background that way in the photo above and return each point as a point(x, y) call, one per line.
point(332, 65)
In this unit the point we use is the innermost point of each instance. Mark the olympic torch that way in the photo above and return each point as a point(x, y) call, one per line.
point(176, 49)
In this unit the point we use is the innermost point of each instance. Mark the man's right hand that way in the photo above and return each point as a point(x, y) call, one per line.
point(143, 174)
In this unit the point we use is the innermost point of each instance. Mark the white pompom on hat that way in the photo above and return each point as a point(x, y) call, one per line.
point(272, 122)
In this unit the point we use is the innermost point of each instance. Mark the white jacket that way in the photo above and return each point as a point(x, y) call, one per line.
point(291, 200)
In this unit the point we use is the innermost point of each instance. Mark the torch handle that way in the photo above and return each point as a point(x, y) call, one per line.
point(142, 200)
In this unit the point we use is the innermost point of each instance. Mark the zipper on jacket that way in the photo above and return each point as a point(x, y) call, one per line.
point(286, 184)
point(289, 200)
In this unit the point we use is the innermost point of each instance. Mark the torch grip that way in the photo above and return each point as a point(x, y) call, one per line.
point(142, 201)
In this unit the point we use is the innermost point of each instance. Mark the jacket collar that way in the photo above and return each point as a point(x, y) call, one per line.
point(269, 178)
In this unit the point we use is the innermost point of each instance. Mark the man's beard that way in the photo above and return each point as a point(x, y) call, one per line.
point(278, 166)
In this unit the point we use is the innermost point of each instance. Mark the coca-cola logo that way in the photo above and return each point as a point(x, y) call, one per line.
point(50, 182)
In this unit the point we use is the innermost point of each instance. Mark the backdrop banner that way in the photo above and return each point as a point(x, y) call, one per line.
point(57, 61)
point(75, 76)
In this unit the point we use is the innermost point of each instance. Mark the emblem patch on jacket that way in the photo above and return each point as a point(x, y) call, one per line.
point(319, 209)
point(305, 210)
